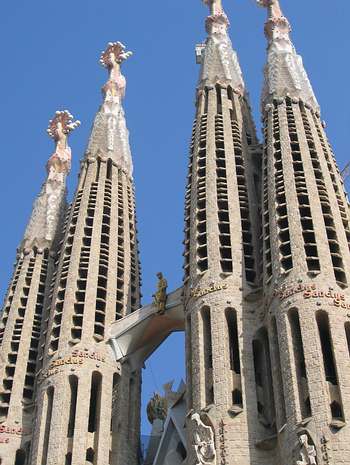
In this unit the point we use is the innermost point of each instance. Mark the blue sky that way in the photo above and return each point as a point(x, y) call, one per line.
point(50, 54)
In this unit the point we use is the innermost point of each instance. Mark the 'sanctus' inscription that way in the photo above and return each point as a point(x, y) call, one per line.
point(7, 431)
point(310, 291)
point(200, 292)
point(76, 358)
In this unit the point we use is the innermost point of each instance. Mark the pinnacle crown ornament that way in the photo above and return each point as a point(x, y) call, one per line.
point(59, 128)
point(114, 53)
point(62, 124)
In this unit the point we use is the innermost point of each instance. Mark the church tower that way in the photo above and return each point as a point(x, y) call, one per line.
point(27, 300)
point(222, 266)
point(306, 264)
point(96, 283)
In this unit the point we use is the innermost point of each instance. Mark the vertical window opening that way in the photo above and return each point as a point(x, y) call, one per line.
point(263, 376)
point(68, 459)
point(189, 360)
point(329, 365)
point(73, 383)
point(94, 402)
point(109, 169)
point(278, 370)
point(49, 402)
point(115, 396)
point(206, 101)
point(235, 363)
point(90, 455)
point(20, 457)
point(98, 168)
point(219, 100)
point(299, 361)
point(347, 333)
point(327, 350)
point(131, 407)
point(208, 357)
point(207, 337)
point(231, 319)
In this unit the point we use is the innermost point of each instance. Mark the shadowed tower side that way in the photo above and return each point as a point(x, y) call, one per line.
point(222, 259)
point(97, 282)
point(306, 260)
point(27, 298)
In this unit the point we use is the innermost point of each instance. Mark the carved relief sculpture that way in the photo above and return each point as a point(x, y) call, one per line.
point(203, 441)
point(307, 452)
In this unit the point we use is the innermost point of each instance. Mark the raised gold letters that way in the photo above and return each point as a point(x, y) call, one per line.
point(208, 290)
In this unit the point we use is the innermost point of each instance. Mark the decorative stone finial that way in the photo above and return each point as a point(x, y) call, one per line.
point(112, 58)
point(59, 128)
point(115, 52)
point(61, 125)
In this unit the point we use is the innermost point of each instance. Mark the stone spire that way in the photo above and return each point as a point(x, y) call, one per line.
point(219, 60)
point(284, 73)
point(48, 207)
point(110, 136)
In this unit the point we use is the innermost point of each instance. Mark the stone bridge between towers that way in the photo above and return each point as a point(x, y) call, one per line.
point(135, 337)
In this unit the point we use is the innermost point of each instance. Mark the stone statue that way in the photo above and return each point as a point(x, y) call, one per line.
point(307, 452)
point(203, 441)
point(161, 295)
point(157, 408)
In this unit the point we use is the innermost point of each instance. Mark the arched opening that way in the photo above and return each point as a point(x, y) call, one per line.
point(109, 169)
point(20, 457)
point(277, 371)
point(234, 353)
point(207, 355)
point(49, 395)
point(299, 361)
point(263, 376)
point(73, 383)
point(115, 399)
point(68, 460)
point(347, 333)
point(159, 369)
point(329, 365)
point(95, 400)
point(90, 455)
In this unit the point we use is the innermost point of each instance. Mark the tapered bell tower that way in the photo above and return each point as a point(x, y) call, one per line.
point(96, 283)
point(28, 298)
point(222, 265)
point(306, 263)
